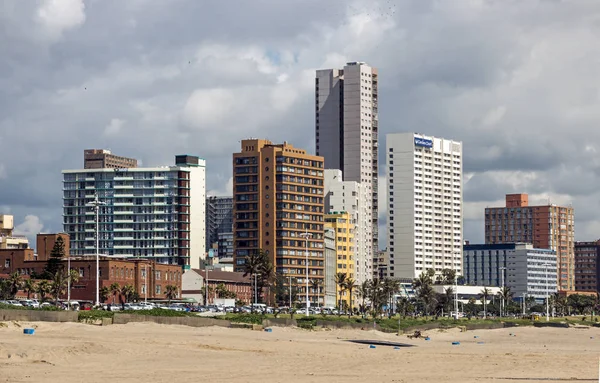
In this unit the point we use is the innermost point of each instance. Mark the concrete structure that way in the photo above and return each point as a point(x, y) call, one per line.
point(425, 210)
point(148, 278)
point(8, 240)
point(149, 212)
point(349, 196)
point(330, 288)
point(45, 244)
point(278, 197)
point(193, 285)
point(528, 270)
point(341, 223)
point(102, 158)
point(587, 266)
point(380, 264)
point(346, 133)
point(219, 225)
point(545, 226)
point(467, 292)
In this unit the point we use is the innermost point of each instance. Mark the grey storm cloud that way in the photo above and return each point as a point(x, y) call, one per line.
point(515, 81)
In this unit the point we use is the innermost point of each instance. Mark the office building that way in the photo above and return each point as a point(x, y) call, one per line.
point(346, 135)
point(341, 223)
point(278, 199)
point(527, 271)
point(330, 287)
point(8, 239)
point(587, 266)
point(102, 158)
point(425, 194)
point(219, 225)
point(153, 213)
point(545, 226)
point(349, 196)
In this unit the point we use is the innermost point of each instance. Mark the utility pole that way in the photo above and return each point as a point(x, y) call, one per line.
point(306, 236)
point(96, 204)
point(502, 303)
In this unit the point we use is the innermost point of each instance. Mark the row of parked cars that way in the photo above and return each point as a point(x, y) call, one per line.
point(33, 303)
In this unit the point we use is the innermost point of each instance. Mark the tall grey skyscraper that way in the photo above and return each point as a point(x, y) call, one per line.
point(346, 127)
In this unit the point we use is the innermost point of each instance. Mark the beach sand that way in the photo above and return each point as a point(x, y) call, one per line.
point(147, 352)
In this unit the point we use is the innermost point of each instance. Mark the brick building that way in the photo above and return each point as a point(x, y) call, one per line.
point(546, 227)
point(148, 278)
point(45, 244)
point(587, 266)
point(193, 284)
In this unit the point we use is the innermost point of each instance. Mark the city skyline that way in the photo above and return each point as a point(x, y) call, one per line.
point(518, 98)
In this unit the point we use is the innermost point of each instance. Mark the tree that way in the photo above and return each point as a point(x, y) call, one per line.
point(104, 293)
point(223, 293)
point(315, 285)
point(283, 289)
point(73, 278)
point(424, 291)
point(485, 294)
point(4, 289)
point(29, 287)
point(171, 292)
point(505, 295)
point(15, 281)
point(57, 254)
point(126, 292)
point(259, 263)
point(43, 288)
point(115, 289)
point(350, 285)
point(340, 281)
point(58, 285)
point(390, 288)
point(363, 293)
point(446, 278)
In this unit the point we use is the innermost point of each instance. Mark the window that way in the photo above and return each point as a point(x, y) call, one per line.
point(7, 263)
point(157, 276)
point(158, 289)
point(81, 272)
point(144, 273)
point(143, 289)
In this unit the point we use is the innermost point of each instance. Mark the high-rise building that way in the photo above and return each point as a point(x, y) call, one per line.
point(425, 194)
point(341, 222)
point(380, 264)
point(8, 239)
point(278, 199)
point(526, 270)
point(346, 133)
point(219, 224)
point(154, 213)
point(330, 287)
point(102, 158)
point(545, 226)
point(349, 196)
point(587, 266)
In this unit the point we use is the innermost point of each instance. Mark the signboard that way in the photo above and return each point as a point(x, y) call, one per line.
point(423, 142)
point(211, 253)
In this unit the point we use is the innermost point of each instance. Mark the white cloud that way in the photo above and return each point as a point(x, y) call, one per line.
point(30, 227)
point(58, 16)
point(114, 127)
point(207, 107)
point(226, 190)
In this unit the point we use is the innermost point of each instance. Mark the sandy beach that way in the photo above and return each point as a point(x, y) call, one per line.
point(147, 352)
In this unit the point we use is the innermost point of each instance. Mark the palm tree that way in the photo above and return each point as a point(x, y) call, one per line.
point(73, 278)
point(126, 292)
point(363, 292)
point(104, 294)
point(171, 292)
point(15, 281)
point(424, 291)
point(59, 283)
point(340, 281)
point(485, 293)
point(506, 295)
point(390, 288)
point(314, 285)
point(43, 288)
point(115, 289)
point(29, 287)
point(350, 285)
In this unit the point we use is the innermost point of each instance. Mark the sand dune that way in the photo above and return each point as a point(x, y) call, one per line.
point(145, 352)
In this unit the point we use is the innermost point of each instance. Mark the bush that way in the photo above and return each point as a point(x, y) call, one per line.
point(245, 318)
point(94, 315)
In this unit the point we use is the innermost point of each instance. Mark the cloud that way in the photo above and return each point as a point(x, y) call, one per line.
point(58, 16)
point(30, 227)
point(114, 127)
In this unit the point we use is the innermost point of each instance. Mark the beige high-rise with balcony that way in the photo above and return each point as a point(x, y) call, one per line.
point(277, 198)
point(8, 240)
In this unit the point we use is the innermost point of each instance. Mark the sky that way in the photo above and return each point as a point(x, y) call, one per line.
point(516, 81)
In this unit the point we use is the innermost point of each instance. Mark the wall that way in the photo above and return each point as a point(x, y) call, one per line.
point(38, 316)
point(183, 321)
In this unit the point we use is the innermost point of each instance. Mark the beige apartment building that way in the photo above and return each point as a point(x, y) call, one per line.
point(277, 201)
point(8, 240)
point(341, 223)
point(546, 227)
point(102, 159)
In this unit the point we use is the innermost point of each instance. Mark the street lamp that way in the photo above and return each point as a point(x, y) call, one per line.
point(145, 284)
point(306, 236)
point(502, 309)
point(96, 204)
point(68, 281)
point(547, 293)
point(455, 295)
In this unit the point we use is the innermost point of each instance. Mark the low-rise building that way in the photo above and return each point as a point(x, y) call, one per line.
point(587, 266)
point(526, 270)
point(193, 285)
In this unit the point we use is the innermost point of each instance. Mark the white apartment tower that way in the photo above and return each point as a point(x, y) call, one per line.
point(349, 196)
point(425, 210)
point(346, 127)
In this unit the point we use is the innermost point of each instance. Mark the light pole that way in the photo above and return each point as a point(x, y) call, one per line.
point(96, 203)
point(455, 295)
point(547, 295)
point(306, 235)
point(206, 282)
point(290, 292)
point(255, 290)
point(502, 292)
point(68, 281)
point(145, 284)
